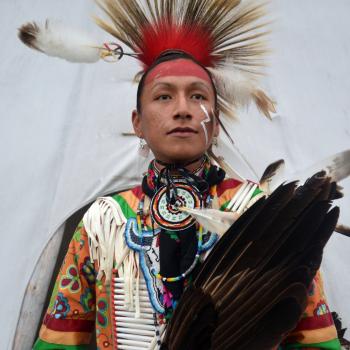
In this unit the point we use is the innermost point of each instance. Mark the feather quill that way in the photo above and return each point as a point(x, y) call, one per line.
point(57, 40)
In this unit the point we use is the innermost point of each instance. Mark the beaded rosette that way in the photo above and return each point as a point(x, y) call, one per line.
point(167, 214)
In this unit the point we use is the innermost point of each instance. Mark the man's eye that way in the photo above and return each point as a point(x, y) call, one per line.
point(198, 97)
point(163, 97)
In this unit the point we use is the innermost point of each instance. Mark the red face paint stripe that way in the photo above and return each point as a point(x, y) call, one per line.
point(178, 67)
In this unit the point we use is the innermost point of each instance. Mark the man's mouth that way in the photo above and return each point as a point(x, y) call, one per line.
point(182, 131)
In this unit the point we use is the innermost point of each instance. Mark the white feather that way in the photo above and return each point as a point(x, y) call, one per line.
point(58, 40)
point(234, 85)
point(336, 166)
point(213, 220)
point(237, 88)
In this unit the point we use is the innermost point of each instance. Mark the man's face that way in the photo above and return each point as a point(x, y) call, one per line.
point(177, 117)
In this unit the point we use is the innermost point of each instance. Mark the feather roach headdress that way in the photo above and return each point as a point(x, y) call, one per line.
point(224, 36)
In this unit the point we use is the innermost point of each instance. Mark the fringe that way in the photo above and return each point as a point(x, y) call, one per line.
point(105, 224)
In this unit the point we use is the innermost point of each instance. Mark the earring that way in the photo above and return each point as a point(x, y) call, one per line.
point(215, 141)
point(143, 148)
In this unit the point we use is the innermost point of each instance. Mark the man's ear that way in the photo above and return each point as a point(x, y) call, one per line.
point(136, 122)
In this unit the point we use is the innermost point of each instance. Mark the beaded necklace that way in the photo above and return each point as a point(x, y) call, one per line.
point(141, 223)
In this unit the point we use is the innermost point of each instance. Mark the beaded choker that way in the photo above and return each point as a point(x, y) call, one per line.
point(182, 165)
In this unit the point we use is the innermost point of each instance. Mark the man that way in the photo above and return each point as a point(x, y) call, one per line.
point(143, 247)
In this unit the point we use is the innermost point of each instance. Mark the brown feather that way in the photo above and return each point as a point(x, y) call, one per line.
point(269, 173)
point(264, 103)
point(28, 35)
point(343, 229)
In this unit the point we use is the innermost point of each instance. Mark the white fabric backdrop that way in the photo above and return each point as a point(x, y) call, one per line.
point(61, 124)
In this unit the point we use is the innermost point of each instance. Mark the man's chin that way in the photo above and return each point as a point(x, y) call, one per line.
point(181, 157)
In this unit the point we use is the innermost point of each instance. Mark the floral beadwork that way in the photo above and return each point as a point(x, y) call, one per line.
point(87, 300)
point(321, 309)
point(61, 307)
point(71, 280)
point(104, 341)
point(88, 271)
point(101, 317)
point(81, 244)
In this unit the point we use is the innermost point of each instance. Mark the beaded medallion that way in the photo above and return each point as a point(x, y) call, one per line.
point(167, 215)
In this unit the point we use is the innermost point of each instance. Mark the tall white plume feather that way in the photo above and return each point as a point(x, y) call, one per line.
point(58, 40)
point(234, 85)
point(238, 88)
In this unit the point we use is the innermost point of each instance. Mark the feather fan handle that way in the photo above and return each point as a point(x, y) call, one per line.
point(104, 223)
point(57, 40)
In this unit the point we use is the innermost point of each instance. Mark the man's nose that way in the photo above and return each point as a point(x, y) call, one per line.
point(182, 109)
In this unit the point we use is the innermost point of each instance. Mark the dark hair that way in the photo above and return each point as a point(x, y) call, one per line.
point(169, 56)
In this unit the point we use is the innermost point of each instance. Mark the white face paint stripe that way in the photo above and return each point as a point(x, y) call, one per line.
point(206, 120)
